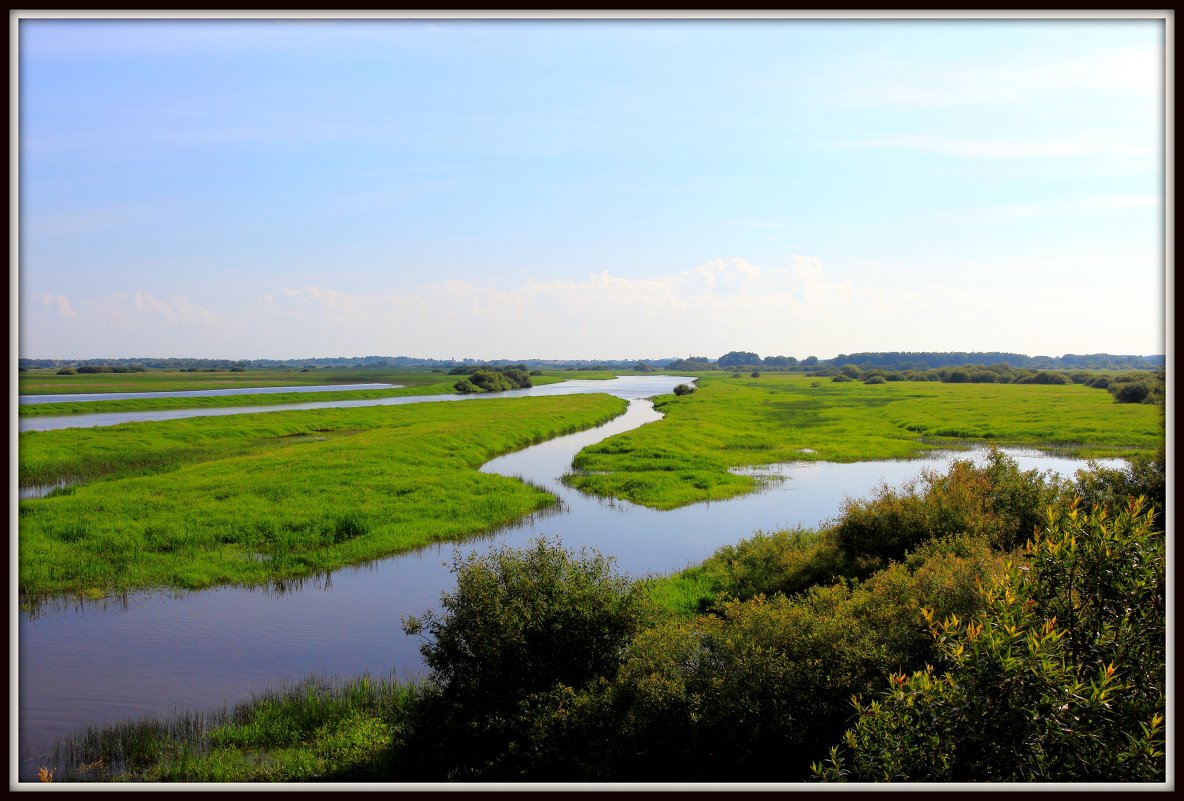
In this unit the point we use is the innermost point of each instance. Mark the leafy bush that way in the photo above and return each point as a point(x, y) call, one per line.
point(997, 501)
point(520, 626)
point(683, 389)
point(67, 371)
point(875, 379)
point(1143, 476)
point(1060, 679)
point(754, 692)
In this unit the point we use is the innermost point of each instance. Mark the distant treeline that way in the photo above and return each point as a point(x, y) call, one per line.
point(342, 361)
point(898, 360)
point(895, 360)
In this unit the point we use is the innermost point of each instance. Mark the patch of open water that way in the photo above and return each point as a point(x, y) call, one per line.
point(25, 400)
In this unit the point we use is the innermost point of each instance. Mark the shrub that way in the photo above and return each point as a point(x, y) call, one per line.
point(683, 389)
point(755, 374)
point(520, 626)
point(997, 501)
point(1061, 678)
point(1130, 391)
point(67, 371)
point(875, 379)
point(1144, 476)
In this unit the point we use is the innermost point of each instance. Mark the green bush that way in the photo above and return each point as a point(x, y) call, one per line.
point(683, 389)
point(997, 501)
point(1061, 678)
point(67, 371)
point(754, 692)
point(520, 626)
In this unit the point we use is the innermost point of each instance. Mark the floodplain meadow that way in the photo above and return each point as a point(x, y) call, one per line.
point(730, 422)
point(256, 498)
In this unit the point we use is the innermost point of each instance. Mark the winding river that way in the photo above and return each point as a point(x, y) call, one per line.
point(156, 653)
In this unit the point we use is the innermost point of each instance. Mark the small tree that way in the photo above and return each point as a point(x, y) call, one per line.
point(683, 389)
point(521, 625)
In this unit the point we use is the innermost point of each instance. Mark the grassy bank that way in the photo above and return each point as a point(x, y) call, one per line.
point(256, 498)
point(733, 422)
point(317, 730)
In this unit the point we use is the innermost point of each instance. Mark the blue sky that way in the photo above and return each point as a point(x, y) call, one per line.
point(589, 189)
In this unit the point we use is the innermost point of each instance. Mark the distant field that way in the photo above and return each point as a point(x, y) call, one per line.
point(254, 498)
point(415, 383)
point(733, 422)
point(47, 382)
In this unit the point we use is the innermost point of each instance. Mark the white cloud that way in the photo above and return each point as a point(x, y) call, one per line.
point(991, 215)
point(798, 308)
point(1004, 79)
point(973, 147)
point(59, 303)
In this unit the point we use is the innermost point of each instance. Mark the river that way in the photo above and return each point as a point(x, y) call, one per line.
point(196, 393)
point(155, 653)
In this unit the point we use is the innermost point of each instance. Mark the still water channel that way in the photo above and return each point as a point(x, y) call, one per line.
point(196, 393)
point(158, 653)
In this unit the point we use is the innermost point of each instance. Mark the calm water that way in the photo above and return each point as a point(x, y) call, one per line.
point(156, 653)
point(197, 393)
point(622, 386)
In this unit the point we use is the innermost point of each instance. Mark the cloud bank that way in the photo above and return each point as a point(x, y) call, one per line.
point(797, 309)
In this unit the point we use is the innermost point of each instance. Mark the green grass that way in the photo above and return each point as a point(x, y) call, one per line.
point(733, 422)
point(253, 499)
point(317, 730)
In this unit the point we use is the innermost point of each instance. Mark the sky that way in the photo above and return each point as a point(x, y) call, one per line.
point(583, 189)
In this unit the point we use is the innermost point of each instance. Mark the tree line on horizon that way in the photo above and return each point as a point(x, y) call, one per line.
point(925, 360)
point(893, 360)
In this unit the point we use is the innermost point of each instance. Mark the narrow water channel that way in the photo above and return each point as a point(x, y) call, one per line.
point(156, 653)
point(78, 397)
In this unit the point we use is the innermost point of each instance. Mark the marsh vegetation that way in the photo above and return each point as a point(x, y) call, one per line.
point(738, 669)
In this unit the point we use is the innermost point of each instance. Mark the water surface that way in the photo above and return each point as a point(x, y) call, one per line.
point(621, 386)
point(196, 393)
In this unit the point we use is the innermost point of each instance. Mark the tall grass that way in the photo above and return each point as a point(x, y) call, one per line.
point(315, 730)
